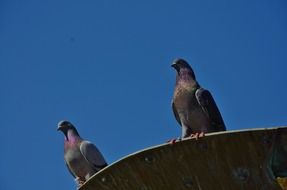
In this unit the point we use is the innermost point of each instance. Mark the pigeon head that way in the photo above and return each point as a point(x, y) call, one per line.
point(66, 126)
point(181, 66)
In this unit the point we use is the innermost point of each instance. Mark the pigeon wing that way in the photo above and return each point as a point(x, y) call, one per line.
point(70, 170)
point(175, 113)
point(92, 155)
point(210, 108)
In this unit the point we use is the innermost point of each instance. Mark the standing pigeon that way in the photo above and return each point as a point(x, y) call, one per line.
point(82, 158)
point(194, 108)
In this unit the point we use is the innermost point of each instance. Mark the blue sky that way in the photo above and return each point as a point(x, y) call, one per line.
point(105, 66)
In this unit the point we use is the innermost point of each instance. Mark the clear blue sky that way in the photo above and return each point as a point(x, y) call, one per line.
point(105, 66)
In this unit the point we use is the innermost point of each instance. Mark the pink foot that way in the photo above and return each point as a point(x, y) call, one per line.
point(196, 136)
point(171, 141)
point(79, 181)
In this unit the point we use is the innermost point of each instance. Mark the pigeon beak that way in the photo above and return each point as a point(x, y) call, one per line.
point(173, 64)
point(59, 128)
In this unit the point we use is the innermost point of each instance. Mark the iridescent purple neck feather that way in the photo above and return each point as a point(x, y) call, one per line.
point(72, 136)
point(185, 74)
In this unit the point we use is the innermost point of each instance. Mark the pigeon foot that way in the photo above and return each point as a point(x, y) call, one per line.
point(79, 181)
point(173, 141)
point(196, 136)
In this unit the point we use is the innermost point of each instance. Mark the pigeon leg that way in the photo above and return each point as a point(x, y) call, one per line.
point(79, 181)
point(173, 141)
point(197, 135)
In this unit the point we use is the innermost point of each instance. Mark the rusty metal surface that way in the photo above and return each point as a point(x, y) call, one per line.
point(279, 154)
point(231, 160)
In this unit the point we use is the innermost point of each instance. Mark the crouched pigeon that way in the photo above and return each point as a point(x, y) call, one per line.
point(82, 158)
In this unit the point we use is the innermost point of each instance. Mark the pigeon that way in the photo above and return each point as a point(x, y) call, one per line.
point(193, 106)
point(82, 158)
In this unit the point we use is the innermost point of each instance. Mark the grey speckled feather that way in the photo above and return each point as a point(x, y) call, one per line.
point(82, 158)
point(92, 155)
point(194, 107)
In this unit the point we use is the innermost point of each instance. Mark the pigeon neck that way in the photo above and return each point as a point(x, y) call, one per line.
point(72, 136)
point(186, 75)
